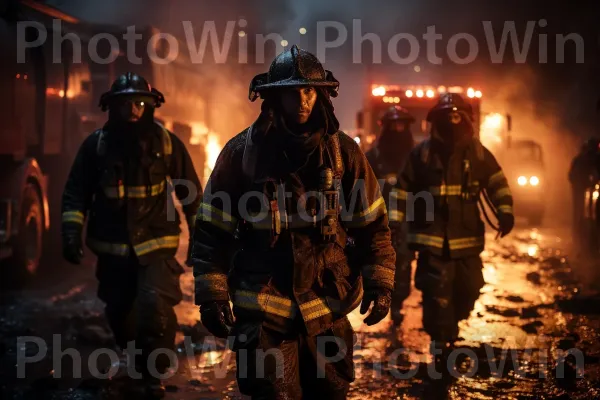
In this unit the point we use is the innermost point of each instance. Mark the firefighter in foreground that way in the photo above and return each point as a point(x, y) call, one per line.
point(120, 183)
point(442, 180)
point(274, 196)
point(387, 159)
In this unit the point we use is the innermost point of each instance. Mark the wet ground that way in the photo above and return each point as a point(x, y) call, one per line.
point(539, 305)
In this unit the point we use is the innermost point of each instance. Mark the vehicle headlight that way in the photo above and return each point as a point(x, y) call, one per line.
point(534, 181)
point(522, 181)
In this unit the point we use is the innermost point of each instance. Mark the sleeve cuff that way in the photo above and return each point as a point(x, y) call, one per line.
point(378, 276)
point(211, 287)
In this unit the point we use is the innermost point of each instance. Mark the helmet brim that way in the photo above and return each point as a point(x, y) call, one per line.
point(132, 92)
point(294, 82)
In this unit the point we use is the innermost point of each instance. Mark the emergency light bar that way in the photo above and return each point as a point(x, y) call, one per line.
point(418, 91)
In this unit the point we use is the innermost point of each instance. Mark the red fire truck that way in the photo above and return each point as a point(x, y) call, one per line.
point(418, 99)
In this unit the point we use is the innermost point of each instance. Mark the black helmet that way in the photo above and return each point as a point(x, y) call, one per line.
point(451, 102)
point(592, 145)
point(396, 113)
point(294, 67)
point(131, 84)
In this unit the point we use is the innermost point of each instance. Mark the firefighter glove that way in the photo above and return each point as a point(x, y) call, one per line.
point(72, 248)
point(506, 223)
point(217, 317)
point(381, 299)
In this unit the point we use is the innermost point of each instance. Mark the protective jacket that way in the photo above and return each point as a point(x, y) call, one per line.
point(439, 199)
point(122, 186)
point(386, 166)
point(290, 269)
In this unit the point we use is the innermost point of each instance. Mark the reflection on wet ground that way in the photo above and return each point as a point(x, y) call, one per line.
point(531, 313)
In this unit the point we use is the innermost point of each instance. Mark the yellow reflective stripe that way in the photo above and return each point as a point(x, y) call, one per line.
point(217, 217)
point(165, 242)
point(496, 178)
point(396, 216)
point(73, 216)
point(369, 215)
point(115, 192)
point(142, 191)
point(265, 302)
point(504, 208)
point(213, 282)
point(398, 194)
point(465, 243)
point(505, 191)
point(314, 309)
point(446, 190)
point(134, 192)
point(426, 240)
point(114, 249)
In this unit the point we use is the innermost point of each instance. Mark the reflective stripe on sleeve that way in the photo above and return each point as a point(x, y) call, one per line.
point(365, 217)
point(426, 240)
point(504, 208)
point(502, 192)
point(165, 242)
point(218, 218)
point(76, 217)
point(496, 179)
point(265, 302)
point(466, 243)
point(396, 216)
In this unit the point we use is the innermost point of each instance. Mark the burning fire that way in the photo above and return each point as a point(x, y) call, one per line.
point(491, 131)
point(202, 135)
point(213, 148)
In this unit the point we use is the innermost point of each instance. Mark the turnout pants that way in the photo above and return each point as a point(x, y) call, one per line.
point(274, 365)
point(139, 306)
point(450, 289)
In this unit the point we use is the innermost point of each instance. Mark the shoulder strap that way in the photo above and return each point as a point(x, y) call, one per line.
point(167, 145)
point(338, 163)
point(101, 143)
point(425, 151)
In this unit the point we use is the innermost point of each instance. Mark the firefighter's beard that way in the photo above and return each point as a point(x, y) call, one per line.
point(452, 135)
point(132, 129)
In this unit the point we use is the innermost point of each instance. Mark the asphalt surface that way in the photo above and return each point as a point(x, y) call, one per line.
point(540, 303)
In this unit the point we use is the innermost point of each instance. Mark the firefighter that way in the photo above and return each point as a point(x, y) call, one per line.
point(583, 175)
point(387, 158)
point(437, 193)
point(286, 193)
point(120, 184)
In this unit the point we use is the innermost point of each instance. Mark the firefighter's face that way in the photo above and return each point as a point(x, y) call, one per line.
point(397, 126)
point(131, 109)
point(298, 103)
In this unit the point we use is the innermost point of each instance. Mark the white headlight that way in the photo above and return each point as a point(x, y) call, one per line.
point(522, 181)
point(534, 181)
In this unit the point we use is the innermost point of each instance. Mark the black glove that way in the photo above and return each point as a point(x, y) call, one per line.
point(506, 223)
point(382, 299)
point(72, 248)
point(217, 317)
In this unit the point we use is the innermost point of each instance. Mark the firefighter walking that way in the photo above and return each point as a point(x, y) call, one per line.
point(387, 158)
point(274, 195)
point(437, 194)
point(583, 176)
point(120, 184)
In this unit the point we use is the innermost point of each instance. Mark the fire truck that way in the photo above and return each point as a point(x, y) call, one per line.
point(47, 109)
point(418, 100)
